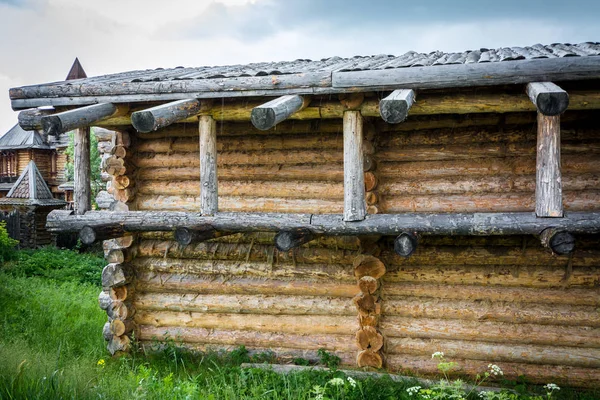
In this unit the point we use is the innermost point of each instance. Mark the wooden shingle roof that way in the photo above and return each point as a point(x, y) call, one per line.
point(30, 189)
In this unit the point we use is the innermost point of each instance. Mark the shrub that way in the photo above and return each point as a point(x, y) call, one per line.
point(7, 244)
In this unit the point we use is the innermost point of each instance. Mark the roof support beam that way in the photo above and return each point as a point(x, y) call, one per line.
point(394, 108)
point(31, 119)
point(268, 115)
point(209, 197)
point(478, 224)
point(549, 99)
point(163, 115)
point(80, 117)
point(355, 207)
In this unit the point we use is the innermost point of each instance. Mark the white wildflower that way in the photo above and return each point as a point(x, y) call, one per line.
point(551, 386)
point(336, 382)
point(438, 354)
point(413, 390)
point(495, 370)
point(352, 382)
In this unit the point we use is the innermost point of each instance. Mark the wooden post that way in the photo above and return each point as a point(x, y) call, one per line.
point(209, 198)
point(82, 192)
point(355, 207)
point(548, 187)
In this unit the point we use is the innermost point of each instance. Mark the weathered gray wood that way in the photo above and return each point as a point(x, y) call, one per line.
point(187, 235)
point(92, 234)
point(406, 244)
point(82, 191)
point(548, 98)
point(268, 115)
point(209, 197)
point(163, 115)
point(78, 118)
point(115, 275)
point(442, 76)
point(548, 187)
point(481, 224)
point(104, 300)
point(394, 108)
point(355, 207)
point(31, 119)
point(559, 241)
point(289, 239)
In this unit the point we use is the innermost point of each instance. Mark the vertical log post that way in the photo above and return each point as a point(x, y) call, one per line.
point(209, 199)
point(82, 191)
point(355, 207)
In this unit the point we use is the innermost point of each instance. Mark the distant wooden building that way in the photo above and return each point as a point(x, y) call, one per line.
point(382, 208)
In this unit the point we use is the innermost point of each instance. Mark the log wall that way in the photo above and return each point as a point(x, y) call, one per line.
point(480, 300)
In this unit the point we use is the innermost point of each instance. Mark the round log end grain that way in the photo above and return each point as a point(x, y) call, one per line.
point(367, 265)
point(368, 358)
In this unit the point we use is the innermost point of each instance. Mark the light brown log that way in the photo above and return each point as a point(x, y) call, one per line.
point(231, 204)
point(121, 327)
point(368, 320)
point(512, 202)
point(115, 257)
point(490, 331)
point(542, 314)
point(121, 310)
point(122, 182)
point(371, 181)
point(119, 151)
point(368, 358)
point(498, 352)
point(250, 269)
point(244, 251)
point(125, 195)
point(224, 284)
point(367, 265)
point(368, 284)
point(330, 342)
point(372, 198)
point(298, 324)
point(244, 304)
point(366, 304)
point(561, 374)
point(114, 166)
point(119, 344)
point(290, 189)
point(548, 189)
point(120, 293)
point(369, 338)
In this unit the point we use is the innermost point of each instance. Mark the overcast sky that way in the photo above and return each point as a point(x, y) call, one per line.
point(39, 39)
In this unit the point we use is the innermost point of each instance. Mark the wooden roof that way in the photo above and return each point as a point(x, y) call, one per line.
point(481, 67)
point(18, 138)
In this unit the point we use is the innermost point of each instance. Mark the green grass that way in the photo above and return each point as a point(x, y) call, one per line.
point(51, 343)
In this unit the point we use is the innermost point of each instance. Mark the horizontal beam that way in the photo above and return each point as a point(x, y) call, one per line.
point(31, 119)
point(80, 117)
point(267, 115)
point(163, 115)
point(479, 224)
point(548, 98)
point(394, 108)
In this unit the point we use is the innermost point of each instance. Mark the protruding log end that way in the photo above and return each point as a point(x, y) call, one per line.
point(549, 98)
point(118, 343)
point(560, 242)
point(31, 119)
point(52, 125)
point(406, 244)
point(369, 338)
point(187, 235)
point(366, 304)
point(143, 121)
point(394, 108)
point(289, 239)
point(89, 235)
point(114, 275)
point(268, 115)
point(369, 358)
point(368, 284)
point(263, 118)
point(367, 265)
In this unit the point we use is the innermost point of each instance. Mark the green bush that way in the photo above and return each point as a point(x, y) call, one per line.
point(7, 244)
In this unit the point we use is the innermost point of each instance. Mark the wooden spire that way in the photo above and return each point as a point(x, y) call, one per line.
point(76, 71)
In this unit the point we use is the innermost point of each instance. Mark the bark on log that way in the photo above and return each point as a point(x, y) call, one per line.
point(267, 115)
point(560, 242)
point(394, 108)
point(548, 189)
point(114, 275)
point(367, 265)
point(163, 115)
point(289, 239)
point(548, 98)
point(369, 338)
point(368, 358)
point(354, 186)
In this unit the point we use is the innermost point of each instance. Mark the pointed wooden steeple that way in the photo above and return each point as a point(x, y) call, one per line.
point(76, 71)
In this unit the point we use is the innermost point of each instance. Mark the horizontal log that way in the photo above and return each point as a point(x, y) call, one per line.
point(156, 282)
point(332, 343)
point(542, 314)
point(384, 224)
point(298, 324)
point(154, 118)
point(560, 242)
point(490, 331)
point(244, 304)
point(535, 373)
point(240, 268)
point(507, 275)
point(89, 234)
point(80, 117)
point(31, 119)
point(114, 275)
point(394, 108)
point(498, 352)
point(548, 97)
point(267, 115)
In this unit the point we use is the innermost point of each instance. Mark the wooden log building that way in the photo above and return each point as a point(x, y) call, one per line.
point(382, 208)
